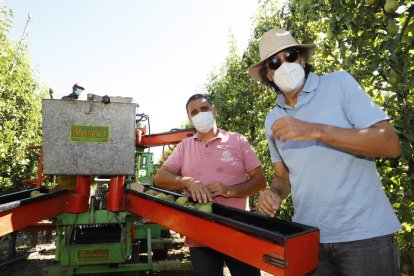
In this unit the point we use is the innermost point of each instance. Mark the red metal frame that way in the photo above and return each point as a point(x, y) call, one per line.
point(78, 202)
point(166, 138)
point(299, 254)
point(295, 256)
point(31, 213)
point(115, 198)
point(40, 178)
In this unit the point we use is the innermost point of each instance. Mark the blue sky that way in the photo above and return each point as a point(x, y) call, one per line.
point(159, 52)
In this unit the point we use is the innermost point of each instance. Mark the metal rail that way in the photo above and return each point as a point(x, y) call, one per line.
point(291, 252)
point(19, 210)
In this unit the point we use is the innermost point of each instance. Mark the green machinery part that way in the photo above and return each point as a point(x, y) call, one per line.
point(100, 241)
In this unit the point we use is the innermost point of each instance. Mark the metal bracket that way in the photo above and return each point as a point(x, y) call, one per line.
point(104, 99)
point(275, 259)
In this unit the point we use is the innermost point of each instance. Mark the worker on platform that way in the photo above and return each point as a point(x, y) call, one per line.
point(76, 92)
point(323, 136)
point(213, 165)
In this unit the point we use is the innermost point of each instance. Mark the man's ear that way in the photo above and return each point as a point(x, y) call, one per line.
point(303, 62)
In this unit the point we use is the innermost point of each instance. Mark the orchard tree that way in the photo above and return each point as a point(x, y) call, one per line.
point(20, 109)
point(372, 40)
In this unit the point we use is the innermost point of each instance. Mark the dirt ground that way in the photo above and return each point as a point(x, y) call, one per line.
point(43, 255)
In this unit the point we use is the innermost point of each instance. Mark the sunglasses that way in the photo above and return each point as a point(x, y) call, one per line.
point(291, 55)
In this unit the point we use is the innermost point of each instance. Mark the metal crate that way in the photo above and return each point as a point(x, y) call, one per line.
point(88, 137)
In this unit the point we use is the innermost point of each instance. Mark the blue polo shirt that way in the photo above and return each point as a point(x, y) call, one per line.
point(338, 192)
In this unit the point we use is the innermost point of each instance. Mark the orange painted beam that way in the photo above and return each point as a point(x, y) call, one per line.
point(115, 197)
point(296, 256)
point(19, 214)
point(165, 138)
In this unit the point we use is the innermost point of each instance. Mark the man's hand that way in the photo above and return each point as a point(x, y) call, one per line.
point(199, 192)
point(289, 128)
point(269, 202)
point(217, 189)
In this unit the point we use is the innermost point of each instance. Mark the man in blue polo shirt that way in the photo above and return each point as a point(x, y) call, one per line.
point(323, 137)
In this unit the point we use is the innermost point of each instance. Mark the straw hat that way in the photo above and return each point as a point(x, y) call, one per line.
point(273, 42)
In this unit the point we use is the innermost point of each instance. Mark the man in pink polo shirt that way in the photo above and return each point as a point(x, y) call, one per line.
point(213, 165)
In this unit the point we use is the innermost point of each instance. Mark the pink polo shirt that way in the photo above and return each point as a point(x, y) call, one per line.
point(227, 158)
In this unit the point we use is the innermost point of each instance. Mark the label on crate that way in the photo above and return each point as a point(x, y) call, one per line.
point(85, 255)
point(96, 134)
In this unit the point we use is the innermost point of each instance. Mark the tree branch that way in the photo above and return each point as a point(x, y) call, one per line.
point(407, 21)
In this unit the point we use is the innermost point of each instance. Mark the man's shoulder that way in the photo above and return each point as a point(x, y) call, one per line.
point(274, 113)
point(188, 140)
point(336, 75)
point(69, 97)
point(232, 136)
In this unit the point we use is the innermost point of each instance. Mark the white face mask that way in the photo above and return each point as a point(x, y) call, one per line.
point(78, 91)
point(289, 77)
point(203, 121)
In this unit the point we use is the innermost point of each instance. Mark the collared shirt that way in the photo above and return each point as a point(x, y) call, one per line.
point(227, 159)
point(338, 192)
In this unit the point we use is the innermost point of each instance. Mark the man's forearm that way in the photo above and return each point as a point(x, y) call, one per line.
point(280, 186)
point(168, 180)
point(376, 141)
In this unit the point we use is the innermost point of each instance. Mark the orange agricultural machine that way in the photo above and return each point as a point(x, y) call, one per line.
point(104, 143)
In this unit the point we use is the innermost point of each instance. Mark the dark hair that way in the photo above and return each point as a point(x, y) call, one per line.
point(263, 71)
point(198, 96)
point(77, 86)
